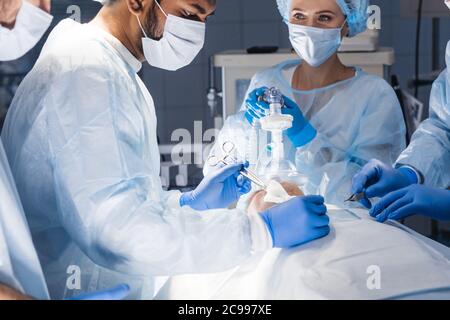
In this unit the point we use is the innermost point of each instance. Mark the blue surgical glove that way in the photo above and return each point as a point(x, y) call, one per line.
point(414, 199)
point(301, 132)
point(119, 292)
point(219, 189)
point(297, 221)
point(377, 179)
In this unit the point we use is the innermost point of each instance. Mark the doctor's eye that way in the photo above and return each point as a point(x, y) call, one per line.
point(189, 15)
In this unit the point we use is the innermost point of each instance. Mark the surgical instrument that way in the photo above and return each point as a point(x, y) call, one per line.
point(227, 148)
point(356, 197)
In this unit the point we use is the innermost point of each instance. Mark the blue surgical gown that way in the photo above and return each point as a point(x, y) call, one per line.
point(356, 119)
point(81, 140)
point(429, 151)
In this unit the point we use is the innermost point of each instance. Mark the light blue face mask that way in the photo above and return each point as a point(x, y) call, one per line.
point(315, 45)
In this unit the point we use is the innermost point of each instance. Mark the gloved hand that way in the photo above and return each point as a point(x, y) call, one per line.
point(301, 132)
point(414, 199)
point(219, 189)
point(119, 292)
point(297, 221)
point(377, 179)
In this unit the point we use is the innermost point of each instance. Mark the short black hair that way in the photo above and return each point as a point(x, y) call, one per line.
point(111, 2)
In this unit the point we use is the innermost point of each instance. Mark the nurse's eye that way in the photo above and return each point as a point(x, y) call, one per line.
point(325, 18)
point(298, 16)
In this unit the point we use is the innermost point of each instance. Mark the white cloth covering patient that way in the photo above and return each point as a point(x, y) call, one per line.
point(275, 193)
point(360, 259)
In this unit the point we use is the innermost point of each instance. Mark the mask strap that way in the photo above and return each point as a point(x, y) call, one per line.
point(140, 25)
point(162, 10)
point(139, 21)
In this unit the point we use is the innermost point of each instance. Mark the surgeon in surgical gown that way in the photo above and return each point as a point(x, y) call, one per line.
point(21, 275)
point(21, 27)
point(419, 182)
point(80, 137)
point(64, 108)
point(356, 118)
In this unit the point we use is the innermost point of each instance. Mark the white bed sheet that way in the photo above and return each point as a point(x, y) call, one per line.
point(336, 267)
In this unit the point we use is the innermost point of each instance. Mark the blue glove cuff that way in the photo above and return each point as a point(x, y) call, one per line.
point(267, 221)
point(185, 199)
point(304, 136)
point(409, 174)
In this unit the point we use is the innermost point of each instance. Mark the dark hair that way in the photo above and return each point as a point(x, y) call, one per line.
point(111, 2)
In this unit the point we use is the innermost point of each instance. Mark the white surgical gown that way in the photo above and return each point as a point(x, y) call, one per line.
point(429, 151)
point(19, 264)
point(81, 141)
point(356, 120)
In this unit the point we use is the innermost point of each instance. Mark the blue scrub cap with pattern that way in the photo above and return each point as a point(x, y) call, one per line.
point(354, 10)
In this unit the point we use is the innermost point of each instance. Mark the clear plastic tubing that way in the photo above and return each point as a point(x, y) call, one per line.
point(275, 100)
point(278, 148)
point(253, 145)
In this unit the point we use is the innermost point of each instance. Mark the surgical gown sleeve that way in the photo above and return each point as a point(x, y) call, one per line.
point(19, 264)
point(330, 162)
point(429, 151)
point(109, 193)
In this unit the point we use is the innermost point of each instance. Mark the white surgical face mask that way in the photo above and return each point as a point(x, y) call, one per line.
point(181, 42)
point(31, 24)
point(315, 45)
point(447, 2)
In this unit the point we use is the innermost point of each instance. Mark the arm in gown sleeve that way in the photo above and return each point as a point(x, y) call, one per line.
point(429, 151)
point(110, 199)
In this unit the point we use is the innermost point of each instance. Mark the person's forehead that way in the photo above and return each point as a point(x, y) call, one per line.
point(315, 5)
point(288, 186)
point(257, 195)
point(203, 6)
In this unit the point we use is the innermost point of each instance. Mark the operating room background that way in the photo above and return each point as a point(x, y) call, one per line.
point(180, 97)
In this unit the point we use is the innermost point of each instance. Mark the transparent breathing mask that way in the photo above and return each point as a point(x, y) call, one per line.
point(281, 170)
point(273, 164)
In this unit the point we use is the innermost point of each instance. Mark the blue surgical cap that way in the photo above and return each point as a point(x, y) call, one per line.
point(354, 10)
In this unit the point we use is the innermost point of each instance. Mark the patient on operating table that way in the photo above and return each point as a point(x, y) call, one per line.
point(275, 193)
point(359, 259)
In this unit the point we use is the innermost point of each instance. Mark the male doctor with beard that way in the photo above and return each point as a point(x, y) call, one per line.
point(81, 140)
